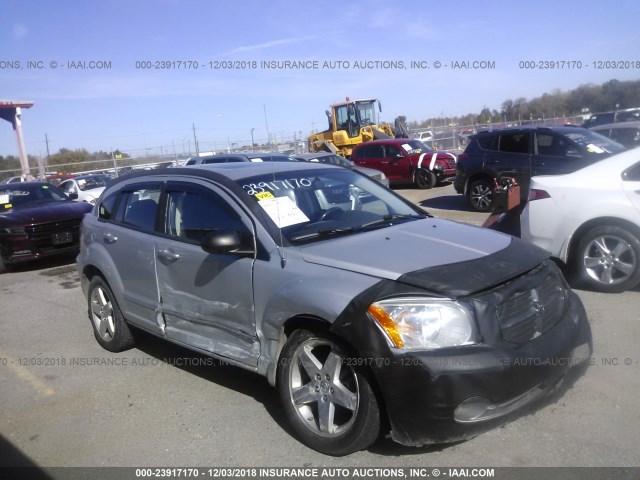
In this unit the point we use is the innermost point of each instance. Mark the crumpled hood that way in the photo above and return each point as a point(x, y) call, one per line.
point(441, 256)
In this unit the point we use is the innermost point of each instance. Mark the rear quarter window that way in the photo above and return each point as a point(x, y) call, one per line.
point(488, 142)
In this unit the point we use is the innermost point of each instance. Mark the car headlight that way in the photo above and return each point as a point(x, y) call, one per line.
point(93, 201)
point(424, 323)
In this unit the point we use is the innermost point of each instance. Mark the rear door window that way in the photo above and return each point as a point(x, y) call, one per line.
point(517, 142)
point(139, 206)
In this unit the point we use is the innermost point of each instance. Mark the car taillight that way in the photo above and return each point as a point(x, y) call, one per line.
point(535, 194)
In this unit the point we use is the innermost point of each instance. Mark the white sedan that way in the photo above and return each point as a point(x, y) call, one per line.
point(88, 187)
point(590, 220)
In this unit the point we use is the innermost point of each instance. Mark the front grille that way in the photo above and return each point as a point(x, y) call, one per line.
point(528, 314)
point(47, 229)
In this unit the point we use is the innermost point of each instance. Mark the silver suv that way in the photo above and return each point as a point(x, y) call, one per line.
point(364, 312)
point(255, 157)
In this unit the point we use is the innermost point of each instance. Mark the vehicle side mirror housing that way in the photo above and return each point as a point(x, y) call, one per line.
point(224, 241)
point(72, 195)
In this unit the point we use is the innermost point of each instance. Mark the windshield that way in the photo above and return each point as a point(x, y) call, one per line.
point(89, 183)
point(28, 194)
point(367, 112)
point(414, 146)
point(594, 142)
point(308, 205)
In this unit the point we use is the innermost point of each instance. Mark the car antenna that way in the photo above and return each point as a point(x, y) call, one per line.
point(283, 260)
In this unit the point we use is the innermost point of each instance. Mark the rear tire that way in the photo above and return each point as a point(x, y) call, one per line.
point(607, 259)
point(330, 404)
point(109, 327)
point(481, 195)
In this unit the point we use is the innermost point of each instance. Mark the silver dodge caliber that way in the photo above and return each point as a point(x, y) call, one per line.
point(365, 313)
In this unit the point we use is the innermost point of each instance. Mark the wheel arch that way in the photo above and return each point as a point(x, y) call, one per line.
point(477, 176)
point(596, 222)
point(318, 324)
point(297, 322)
point(417, 170)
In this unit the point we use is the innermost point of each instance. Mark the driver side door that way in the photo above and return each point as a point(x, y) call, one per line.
point(206, 300)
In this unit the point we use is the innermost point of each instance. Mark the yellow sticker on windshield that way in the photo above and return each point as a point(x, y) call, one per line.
point(8, 205)
point(264, 196)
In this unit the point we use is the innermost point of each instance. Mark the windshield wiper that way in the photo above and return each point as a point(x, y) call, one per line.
point(323, 233)
point(389, 219)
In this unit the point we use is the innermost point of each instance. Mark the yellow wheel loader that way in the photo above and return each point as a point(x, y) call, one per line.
point(354, 122)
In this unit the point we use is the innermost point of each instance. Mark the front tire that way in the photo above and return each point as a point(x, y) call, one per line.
point(481, 195)
point(329, 403)
point(109, 327)
point(425, 179)
point(607, 259)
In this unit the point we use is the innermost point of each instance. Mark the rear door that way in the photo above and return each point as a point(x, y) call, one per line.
point(206, 300)
point(127, 236)
point(370, 156)
point(510, 156)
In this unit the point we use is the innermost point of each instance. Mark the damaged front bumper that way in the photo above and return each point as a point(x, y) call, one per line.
point(448, 396)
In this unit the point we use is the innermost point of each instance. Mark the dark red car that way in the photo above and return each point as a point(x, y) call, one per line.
point(406, 161)
point(37, 220)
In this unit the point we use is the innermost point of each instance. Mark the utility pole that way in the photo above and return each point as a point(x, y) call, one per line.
point(252, 142)
point(195, 140)
point(115, 167)
point(267, 123)
point(46, 140)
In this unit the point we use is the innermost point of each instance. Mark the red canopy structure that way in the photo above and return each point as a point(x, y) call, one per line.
point(11, 110)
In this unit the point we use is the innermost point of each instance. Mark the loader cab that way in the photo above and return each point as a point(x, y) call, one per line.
point(352, 116)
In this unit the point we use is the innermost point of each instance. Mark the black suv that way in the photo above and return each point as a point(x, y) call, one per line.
point(625, 115)
point(523, 152)
point(241, 157)
point(625, 133)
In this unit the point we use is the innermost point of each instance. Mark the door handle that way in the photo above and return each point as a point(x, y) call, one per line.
point(110, 238)
point(492, 162)
point(168, 254)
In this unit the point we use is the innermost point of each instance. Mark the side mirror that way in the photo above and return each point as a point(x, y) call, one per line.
point(224, 241)
point(72, 195)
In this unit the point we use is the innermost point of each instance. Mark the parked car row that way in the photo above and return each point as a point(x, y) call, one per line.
point(343, 333)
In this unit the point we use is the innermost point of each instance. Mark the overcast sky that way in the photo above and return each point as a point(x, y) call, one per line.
point(140, 110)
